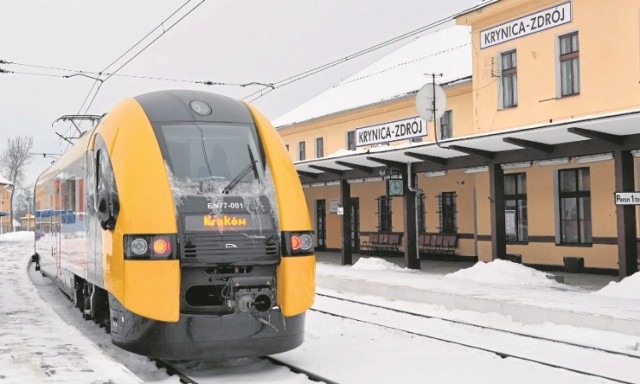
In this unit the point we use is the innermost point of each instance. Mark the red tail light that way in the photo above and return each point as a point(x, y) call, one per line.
point(149, 247)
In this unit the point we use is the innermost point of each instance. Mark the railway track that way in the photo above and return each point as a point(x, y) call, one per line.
point(531, 348)
point(186, 375)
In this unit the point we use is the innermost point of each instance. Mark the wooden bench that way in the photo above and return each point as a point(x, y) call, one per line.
point(370, 244)
point(443, 244)
point(382, 242)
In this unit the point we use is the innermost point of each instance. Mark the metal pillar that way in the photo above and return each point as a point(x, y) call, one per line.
point(411, 256)
point(345, 197)
point(625, 215)
point(498, 229)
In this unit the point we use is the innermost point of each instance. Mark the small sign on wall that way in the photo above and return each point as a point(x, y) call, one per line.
point(627, 198)
point(334, 204)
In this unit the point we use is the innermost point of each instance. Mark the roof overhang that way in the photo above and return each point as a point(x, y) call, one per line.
point(570, 138)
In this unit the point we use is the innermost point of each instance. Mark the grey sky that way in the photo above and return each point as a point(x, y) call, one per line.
point(222, 41)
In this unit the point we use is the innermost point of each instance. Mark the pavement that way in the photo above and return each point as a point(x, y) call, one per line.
point(571, 303)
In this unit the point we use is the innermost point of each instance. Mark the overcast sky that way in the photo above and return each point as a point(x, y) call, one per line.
point(222, 41)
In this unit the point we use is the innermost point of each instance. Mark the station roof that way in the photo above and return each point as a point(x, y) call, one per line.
point(585, 136)
point(4, 181)
point(404, 71)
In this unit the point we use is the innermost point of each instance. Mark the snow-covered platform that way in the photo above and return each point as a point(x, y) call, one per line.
point(524, 294)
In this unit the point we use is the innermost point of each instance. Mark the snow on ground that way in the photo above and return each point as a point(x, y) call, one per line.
point(628, 288)
point(43, 339)
point(376, 264)
point(36, 345)
point(503, 272)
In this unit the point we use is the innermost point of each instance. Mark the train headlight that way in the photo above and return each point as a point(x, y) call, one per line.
point(139, 246)
point(297, 243)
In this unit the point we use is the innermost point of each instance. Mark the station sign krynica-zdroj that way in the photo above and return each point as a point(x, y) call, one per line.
point(391, 131)
point(526, 25)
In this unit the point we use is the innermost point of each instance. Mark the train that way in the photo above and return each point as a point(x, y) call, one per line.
point(179, 223)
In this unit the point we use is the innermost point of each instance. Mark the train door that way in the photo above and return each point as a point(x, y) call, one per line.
point(321, 225)
point(355, 224)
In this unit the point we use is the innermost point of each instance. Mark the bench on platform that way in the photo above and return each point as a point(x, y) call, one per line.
point(380, 242)
point(443, 244)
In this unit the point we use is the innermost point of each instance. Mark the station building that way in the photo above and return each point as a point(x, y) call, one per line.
point(532, 158)
point(5, 204)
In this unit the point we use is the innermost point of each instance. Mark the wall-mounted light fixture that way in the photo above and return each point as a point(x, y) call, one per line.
point(558, 161)
point(476, 169)
point(524, 164)
point(594, 158)
point(435, 173)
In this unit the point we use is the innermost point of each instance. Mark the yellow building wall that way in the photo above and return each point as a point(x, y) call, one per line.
point(542, 210)
point(607, 33)
point(5, 203)
point(334, 128)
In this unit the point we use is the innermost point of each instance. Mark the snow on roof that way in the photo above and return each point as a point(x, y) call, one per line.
point(476, 7)
point(447, 51)
point(4, 181)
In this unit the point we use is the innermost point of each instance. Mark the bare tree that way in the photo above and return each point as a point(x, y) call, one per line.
point(13, 161)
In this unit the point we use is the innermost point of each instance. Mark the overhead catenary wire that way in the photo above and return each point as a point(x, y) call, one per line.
point(302, 75)
point(162, 26)
point(266, 87)
point(93, 75)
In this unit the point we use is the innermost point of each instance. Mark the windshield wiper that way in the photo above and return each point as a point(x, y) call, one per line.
point(251, 166)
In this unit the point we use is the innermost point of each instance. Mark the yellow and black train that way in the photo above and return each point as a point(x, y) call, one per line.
point(180, 223)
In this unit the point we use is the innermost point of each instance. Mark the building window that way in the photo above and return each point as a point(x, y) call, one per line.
point(384, 214)
point(575, 206)
point(422, 218)
point(301, 150)
point(448, 212)
point(351, 140)
point(515, 196)
point(319, 147)
point(509, 79)
point(446, 130)
point(569, 64)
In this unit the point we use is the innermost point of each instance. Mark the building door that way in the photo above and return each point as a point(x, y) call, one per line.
point(321, 225)
point(355, 224)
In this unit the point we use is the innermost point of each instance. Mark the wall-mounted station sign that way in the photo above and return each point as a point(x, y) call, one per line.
point(526, 25)
point(391, 131)
point(627, 198)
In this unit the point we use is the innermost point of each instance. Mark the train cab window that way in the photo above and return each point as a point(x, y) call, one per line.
point(212, 151)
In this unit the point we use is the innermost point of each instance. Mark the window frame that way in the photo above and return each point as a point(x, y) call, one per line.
point(422, 212)
point(385, 214)
point(448, 207)
point(520, 196)
point(319, 147)
point(573, 58)
point(446, 130)
point(302, 150)
point(509, 79)
point(583, 227)
point(350, 140)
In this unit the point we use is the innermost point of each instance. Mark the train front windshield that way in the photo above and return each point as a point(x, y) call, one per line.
point(212, 151)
